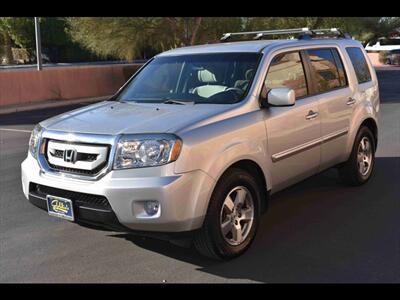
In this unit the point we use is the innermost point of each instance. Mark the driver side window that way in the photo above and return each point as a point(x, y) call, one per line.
point(286, 70)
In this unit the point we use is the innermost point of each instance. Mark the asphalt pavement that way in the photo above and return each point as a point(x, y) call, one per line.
point(316, 231)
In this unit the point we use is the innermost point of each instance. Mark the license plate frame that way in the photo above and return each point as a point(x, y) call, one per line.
point(60, 207)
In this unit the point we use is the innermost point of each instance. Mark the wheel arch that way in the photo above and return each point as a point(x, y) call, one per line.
point(371, 124)
point(368, 121)
point(255, 170)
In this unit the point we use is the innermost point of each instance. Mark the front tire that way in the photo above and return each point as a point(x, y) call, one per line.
point(232, 217)
point(357, 170)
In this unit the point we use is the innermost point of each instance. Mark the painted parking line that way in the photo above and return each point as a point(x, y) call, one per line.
point(16, 130)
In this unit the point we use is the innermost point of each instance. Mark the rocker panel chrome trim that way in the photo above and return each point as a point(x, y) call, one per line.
point(303, 147)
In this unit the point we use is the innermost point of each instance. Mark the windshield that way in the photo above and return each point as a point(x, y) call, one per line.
point(221, 78)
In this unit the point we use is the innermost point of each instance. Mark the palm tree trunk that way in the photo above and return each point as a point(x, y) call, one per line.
point(9, 59)
point(195, 30)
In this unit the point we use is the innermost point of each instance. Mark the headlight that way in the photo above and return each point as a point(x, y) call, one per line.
point(146, 151)
point(34, 140)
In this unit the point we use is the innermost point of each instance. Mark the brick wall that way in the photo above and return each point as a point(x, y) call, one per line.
point(62, 83)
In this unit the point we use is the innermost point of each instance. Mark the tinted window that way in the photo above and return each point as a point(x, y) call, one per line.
point(221, 78)
point(359, 63)
point(325, 71)
point(286, 70)
point(340, 68)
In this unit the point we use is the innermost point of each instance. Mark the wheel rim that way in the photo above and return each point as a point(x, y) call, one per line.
point(237, 215)
point(364, 156)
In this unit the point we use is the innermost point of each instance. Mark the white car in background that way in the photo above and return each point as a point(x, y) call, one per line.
point(384, 44)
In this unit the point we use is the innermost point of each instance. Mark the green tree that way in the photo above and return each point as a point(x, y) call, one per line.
point(128, 38)
point(133, 37)
point(363, 28)
point(120, 37)
point(213, 28)
point(347, 24)
point(21, 30)
point(16, 31)
point(373, 28)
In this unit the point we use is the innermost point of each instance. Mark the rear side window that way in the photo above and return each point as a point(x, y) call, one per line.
point(359, 63)
point(286, 70)
point(327, 70)
point(340, 68)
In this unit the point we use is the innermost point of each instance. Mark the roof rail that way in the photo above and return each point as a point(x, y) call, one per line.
point(304, 33)
point(326, 32)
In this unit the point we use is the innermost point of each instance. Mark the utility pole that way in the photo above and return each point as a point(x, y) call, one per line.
point(38, 44)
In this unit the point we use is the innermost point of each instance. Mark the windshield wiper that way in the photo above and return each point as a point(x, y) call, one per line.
point(172, 101)
point(128, 101)
point(163, 100)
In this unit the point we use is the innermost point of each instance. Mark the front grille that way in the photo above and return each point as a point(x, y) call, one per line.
point(79, 199)
point(88, 158)
point(77, 171)
point(80, 156)
point(59, 153)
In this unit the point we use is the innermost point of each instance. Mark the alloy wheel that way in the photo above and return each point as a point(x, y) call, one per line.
point(364, 156)
point(237, 215)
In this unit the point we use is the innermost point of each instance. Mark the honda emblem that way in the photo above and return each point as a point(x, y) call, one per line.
point(70, 155)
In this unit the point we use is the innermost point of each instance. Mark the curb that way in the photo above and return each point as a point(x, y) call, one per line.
point(50, 104)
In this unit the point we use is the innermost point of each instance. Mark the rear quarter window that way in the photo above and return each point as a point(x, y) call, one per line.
point(327, 69)
point(359, 63)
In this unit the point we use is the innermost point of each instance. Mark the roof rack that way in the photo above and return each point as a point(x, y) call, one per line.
point(304, 33)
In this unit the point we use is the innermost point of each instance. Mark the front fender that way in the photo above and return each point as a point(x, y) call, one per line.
point(215, 147)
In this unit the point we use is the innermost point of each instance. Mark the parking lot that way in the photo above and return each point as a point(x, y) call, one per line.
point(316, 231)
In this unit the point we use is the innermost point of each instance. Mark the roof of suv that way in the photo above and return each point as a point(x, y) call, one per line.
point(249, 46)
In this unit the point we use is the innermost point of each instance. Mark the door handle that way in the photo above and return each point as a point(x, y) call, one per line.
point(311, 115)
point(351, 101)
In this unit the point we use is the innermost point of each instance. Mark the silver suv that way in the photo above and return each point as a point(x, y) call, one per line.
point(200, 137)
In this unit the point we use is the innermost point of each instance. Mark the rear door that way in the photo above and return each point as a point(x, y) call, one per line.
point(293, 132)
point(336, 102)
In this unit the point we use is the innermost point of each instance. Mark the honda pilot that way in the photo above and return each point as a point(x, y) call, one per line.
point(200, 137)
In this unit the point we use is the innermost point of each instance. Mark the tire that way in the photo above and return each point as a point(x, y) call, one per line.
point(210, 240)
point(350, 172)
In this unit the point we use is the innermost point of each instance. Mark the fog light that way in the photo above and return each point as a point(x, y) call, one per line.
point(151, 207)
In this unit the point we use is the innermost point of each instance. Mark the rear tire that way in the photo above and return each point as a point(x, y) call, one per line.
point(232, 217)
point(358, 169)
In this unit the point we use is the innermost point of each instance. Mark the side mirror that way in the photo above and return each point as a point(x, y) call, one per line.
point(280, 97)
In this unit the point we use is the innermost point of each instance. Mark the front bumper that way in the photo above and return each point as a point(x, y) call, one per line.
point(183, 198)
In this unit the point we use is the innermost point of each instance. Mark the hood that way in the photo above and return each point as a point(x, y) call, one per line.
point(116, 117)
